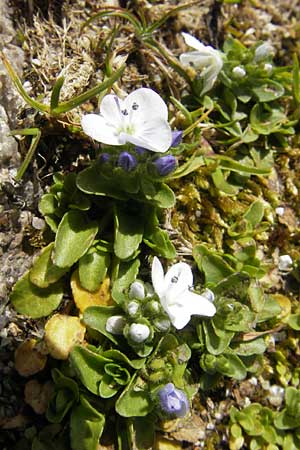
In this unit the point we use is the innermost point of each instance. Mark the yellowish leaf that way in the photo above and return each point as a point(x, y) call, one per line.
point(28, 359)
point(62, 332)
point(161, 443)
point(83, 298)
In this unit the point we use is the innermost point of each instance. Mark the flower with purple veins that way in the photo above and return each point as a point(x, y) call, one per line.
point(127, 161)
point(165, 165)
point(173, 401)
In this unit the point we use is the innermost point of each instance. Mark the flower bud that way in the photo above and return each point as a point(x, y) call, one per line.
point(173, 401)
point(176, 138)
point(285, 263)
point(263, 51)
point(104, 158)
point(162, 325)
point(137, 290)
point(268, 68)
point(165, 165)
point(238, 72)
point(115, 324)
point(127, 161)
point(153, 307)
point(138, 332)
point(132, 308)
point(207, 293)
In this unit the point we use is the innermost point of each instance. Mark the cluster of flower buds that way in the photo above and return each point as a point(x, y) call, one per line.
point(128, 160)
point(143, 316)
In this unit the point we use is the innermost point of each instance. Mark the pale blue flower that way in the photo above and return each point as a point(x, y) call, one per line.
point(173, 401)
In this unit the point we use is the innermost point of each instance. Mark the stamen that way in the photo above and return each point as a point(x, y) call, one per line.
point(124, 112)
point(135, 106)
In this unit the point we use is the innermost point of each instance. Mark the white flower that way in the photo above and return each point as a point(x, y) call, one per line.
point(115, 324)
point(141, 119)
point(205, 58)
point(285, 263)
point(238, 72)
point(173, 290)
point(138, 332)
point(137, 290)
point(263, 51)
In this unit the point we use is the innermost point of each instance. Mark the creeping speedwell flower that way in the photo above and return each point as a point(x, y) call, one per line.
point(173, 401)
point(141, 119)
point(205, 58)
point(176, 297)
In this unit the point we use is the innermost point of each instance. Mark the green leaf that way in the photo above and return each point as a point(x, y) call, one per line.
point(128, 232)
point(44, 272)
point(67, 393)
point(36, 136)
point(86, 426)
point(19, 86)
point(213, 266)
point(294, 321)
point(234, 166)
point(214, 343)
point(269, 91)
point(96, 317)
point(93, 267)
point(296, 79)
point(265, 121)
point(221, 183)
point(75, 235)
point(159, 241)
point(68, 105)
point(91, 181)
point(55, 93)
point(191, 165)
point(116, 355)
point(135, 400)
point(47, 204)
point(271, 309)
point(255, 213)
point(230, 365)
point(34, 301)
point(255, 347)
point(107, 387)
point(127, 274)
point(163, 196)
point(89, 367)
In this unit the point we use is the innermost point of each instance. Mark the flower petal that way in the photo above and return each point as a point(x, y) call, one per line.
point(111, 109)
point(196, 59)
point(158, 279)
point(193, 42)
point(97, 128)
point(178, 279)
point(144, 104)
point(178, 315)
point(198, 304)
point(154, 134)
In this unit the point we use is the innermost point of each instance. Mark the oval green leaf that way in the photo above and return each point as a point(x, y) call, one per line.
point(34, 301)
point(74, 237)
point(44, 272)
